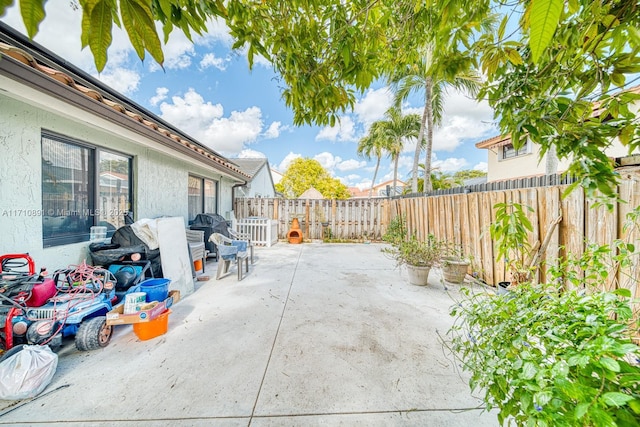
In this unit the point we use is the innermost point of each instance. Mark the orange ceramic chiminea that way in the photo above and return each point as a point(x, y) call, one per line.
point(295, 233)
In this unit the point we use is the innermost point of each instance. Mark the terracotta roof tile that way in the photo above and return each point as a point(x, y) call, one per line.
point(28, 60)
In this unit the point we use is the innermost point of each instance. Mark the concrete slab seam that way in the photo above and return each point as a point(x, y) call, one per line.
point(275, 337)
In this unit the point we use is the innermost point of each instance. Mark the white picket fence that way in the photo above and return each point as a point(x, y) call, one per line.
point(262, 231)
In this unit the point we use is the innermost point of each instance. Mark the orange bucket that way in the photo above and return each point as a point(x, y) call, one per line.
point(153, 328)
point(197, 264)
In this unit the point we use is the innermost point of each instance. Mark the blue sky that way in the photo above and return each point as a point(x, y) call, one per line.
point(208, 91)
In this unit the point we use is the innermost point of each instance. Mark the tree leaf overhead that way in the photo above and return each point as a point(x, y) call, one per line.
point(545, 15)
point(32, 12)
point(327, 52)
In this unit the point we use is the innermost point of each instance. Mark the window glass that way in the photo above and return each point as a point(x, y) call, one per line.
point(75, 197)
point(195, 197)
point(114, 194)
point(209, 196)
point(509, 151)
point(67, 189)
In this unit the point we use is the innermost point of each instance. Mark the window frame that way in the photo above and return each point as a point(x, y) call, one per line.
point(93, 186)
point(522, 151)
point(203, 199)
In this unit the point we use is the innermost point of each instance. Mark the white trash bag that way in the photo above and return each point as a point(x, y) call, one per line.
point(27, 373)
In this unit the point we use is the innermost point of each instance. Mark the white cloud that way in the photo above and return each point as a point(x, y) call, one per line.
point(205, 122)
point(178, 52)
point(251, 154)
point(121, 79)
point(190, 112)
point(481, 166)
point(261, 60)
point(211, 60)
point(364, 184)
point(451, 164)
point(328, 161)
point(217, 31)
point(404, 163)
point(273, 131)
point(456, 129)
point(230, 134)
point(284, 164)
point(464, 119)
point(349, 165)
point(373, 105)
point(344, 130)
point(161, 95)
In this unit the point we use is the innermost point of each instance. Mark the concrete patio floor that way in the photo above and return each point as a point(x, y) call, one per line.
point(315, 334)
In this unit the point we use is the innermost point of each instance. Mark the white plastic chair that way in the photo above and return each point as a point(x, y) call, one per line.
point(195, 240)
point(228, 251)
point(235, 235)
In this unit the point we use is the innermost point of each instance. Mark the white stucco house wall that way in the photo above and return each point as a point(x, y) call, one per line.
point(260, 182)
point(504, 162)
point(276, 176)
point(76, 154)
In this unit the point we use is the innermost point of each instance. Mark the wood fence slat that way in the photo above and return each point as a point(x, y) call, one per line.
point(472, 247)
point(572, 233)
point(488, 261)
point(601, 227)
point(464, 218)
point(499, 270)
point(629, 277)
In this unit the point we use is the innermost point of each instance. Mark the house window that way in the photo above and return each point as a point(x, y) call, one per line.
point(202, 196)
point(114, 196)
point(509, 151)
point(209, 196)
point(74, 198)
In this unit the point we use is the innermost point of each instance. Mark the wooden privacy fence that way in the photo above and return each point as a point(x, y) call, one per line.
point(351, 219)
point(463, 219)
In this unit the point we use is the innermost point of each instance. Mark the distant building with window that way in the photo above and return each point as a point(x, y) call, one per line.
point(384, 189)
point(505, 162)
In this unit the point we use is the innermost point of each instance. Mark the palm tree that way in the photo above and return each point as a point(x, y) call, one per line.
point(397, 128)
point(389, 136)
point(373, 144)
point(433, 75)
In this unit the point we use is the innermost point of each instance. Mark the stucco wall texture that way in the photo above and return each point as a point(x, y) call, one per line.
point(159, 180)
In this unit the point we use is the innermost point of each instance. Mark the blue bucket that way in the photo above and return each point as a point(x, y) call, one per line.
point(156, 289)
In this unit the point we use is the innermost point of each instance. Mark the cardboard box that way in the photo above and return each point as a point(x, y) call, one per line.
point(117, 316)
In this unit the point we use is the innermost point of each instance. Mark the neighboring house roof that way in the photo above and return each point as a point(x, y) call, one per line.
point(475, 181)
point(27, 62)
point(311, 193)
point(251, 166)
point(496, 141)
point(356, 192)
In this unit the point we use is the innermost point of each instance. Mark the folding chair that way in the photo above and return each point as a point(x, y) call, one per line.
point(230, 250)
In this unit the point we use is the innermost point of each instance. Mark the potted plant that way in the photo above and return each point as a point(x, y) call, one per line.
point(454, 264)
point(510, 232)
point(418, 256)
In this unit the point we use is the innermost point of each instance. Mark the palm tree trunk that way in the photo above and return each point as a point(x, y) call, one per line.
point(375, 174)
point(416, 156)
point(395, 174)
point(429, 148)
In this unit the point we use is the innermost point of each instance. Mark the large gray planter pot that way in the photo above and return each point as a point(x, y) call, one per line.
point(418, 275)
point(454, 270)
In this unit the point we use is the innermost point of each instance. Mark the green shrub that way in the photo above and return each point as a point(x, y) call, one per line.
point(550, 358)
point(396, 230)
